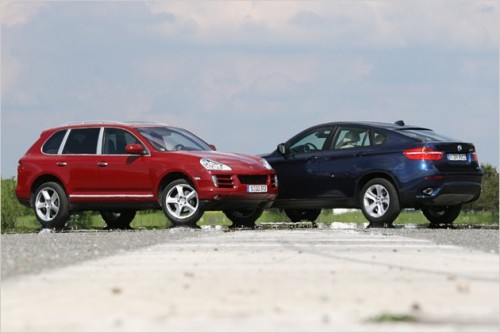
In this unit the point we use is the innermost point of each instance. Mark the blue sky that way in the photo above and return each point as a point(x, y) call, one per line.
point(247, 75)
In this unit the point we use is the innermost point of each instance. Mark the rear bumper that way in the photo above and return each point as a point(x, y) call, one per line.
point(446, 194)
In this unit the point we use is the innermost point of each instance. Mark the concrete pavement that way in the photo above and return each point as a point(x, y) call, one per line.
point(307, 280)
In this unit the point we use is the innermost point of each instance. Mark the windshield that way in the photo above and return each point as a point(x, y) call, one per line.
point(172, 139)
point(426, 135)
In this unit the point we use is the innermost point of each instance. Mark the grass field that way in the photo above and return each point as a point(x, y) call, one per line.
point(157, 220)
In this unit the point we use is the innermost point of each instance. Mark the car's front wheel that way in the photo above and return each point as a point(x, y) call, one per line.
point(118, 219)
point(51, 205)
point(180, 203)
point(441, 215)
point(380, 202)
point(243, 218)
point(297, 215)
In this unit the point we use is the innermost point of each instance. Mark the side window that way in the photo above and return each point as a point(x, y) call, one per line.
point(51, 146)
point(348, 137)
point(82, 141)
point(115, 140)
point(379, 138)
point(312, 141)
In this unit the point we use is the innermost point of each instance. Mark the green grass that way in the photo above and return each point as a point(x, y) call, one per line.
point(157, 220)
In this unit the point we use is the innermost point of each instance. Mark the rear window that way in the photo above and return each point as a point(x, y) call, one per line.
point(426, 135)
point(53, 143)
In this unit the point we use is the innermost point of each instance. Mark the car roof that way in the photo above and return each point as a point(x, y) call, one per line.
point(125, 124)
point(398, 125)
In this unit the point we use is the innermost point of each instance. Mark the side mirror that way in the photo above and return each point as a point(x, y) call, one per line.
point(134, 149)
point(213, 147)
point(282, 148)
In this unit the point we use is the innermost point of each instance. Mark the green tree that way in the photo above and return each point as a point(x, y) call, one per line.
point(10, 211)
point(488, 201)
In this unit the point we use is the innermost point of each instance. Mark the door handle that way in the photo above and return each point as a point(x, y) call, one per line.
point(102, 164)
point(62, 164)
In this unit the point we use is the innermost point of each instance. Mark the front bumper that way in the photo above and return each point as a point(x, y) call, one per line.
point(232, 192)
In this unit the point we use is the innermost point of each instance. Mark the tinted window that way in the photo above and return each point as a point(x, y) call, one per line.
point(82, 141)
point(426, 135)
point(53, 143)
point(379, 138)
point(352, 137)
point(115, 140)
point(311, 141)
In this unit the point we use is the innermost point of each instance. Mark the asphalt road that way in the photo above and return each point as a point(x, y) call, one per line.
point(343, 279)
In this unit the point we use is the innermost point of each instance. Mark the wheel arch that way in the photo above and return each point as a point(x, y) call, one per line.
point(170, 177)
point(44, 179)
point(369, 176)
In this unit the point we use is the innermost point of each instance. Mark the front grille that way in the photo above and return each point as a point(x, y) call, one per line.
point(251, 179)
point(225, 181)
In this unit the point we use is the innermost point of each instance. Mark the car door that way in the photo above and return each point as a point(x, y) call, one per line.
point(298, 169)
point(123, 176)
point(77, 162)
point(343, 162)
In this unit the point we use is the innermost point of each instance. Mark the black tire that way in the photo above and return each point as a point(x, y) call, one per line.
point(243, 218)
point(51, 205)
point(379, 202)
point(180, 204)
point(298, 215)
point(118, 219)
point(441, 215)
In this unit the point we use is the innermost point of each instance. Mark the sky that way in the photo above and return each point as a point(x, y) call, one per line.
point(247, 75)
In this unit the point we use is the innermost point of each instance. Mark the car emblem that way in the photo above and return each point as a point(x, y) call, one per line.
point(459, 147)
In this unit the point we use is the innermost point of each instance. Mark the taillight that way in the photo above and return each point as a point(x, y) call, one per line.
point(474, 157)
point(423, 154)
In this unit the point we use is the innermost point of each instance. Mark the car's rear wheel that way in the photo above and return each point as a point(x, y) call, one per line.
point(380, 202)
point(118, 219)
point(243, 218)
point(297, 215)
point(180, 203)
point(51, 205)
point(441, 215)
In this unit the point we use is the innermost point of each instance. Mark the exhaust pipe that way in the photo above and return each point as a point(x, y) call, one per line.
point(428, 191)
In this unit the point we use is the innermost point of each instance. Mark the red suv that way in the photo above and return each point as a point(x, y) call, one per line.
point(119, 168)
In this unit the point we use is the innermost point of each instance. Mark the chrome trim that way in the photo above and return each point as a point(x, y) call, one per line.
point(63, 143)
point(111, 195)
point(99, 141)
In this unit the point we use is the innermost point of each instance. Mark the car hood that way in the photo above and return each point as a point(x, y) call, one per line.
point(235, 160)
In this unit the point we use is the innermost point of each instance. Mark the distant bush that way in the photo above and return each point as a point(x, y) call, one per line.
point(11, 208)
point(488, 201)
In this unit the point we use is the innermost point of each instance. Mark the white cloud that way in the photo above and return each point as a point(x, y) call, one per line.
point(358, 23)
point(19, 12)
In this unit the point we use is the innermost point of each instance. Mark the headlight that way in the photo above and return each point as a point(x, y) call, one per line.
point(214, 165)
point(267, 165)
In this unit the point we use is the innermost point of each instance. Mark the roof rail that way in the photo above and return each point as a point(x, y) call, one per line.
point(145, 122)
point(113, 122)
point(94, 122)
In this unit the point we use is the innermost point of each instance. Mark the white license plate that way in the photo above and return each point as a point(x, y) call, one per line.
point(256, 188)
point(457, 157)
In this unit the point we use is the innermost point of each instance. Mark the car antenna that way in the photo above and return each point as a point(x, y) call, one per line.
point(400, 123)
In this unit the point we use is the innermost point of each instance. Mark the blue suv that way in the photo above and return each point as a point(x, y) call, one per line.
point(379, 168)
